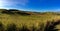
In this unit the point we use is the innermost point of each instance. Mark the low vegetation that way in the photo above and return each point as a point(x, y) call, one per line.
point(50, 26)
point(17, 20)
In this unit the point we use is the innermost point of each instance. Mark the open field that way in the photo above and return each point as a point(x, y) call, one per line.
point(28, 20)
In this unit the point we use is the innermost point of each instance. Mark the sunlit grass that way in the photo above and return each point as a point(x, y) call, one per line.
point(30, 20)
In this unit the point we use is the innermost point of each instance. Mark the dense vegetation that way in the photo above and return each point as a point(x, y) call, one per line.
point(50, 26)
point(17, 20)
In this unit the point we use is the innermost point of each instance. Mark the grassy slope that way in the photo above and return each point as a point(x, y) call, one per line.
point(28, 20)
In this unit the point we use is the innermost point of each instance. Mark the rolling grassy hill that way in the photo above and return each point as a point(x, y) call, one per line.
point(28, 18)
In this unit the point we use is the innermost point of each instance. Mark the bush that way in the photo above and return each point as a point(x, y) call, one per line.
point(24, 28)
point(11, 27)
point(7, 12)
point(33, 28)
point(41, 27)
point(1, 27)
point(50, 26)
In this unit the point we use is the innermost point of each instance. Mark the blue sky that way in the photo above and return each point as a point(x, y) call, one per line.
point(31, 5)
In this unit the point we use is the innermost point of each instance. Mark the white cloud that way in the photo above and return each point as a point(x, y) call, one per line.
point(4, 3)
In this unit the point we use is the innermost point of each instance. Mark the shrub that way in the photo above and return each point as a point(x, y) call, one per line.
point(33, 28)
point(41, 27)
point(11, 27)
point(24, 28)
point(50, 26)
point(1, 27)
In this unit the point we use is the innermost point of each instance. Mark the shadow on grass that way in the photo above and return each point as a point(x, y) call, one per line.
point(11, 27)
point(1, 27)
point(50, 26)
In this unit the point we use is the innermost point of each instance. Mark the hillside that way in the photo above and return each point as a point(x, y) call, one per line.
point(24, 17)
point(19, 16)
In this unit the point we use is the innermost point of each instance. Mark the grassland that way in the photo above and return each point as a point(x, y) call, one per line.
point(28, 20)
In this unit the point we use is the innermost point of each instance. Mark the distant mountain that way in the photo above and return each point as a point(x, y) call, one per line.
point(20, 12)
point(14, 11)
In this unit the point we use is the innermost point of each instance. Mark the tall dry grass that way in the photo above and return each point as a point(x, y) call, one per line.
point(50, 26)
